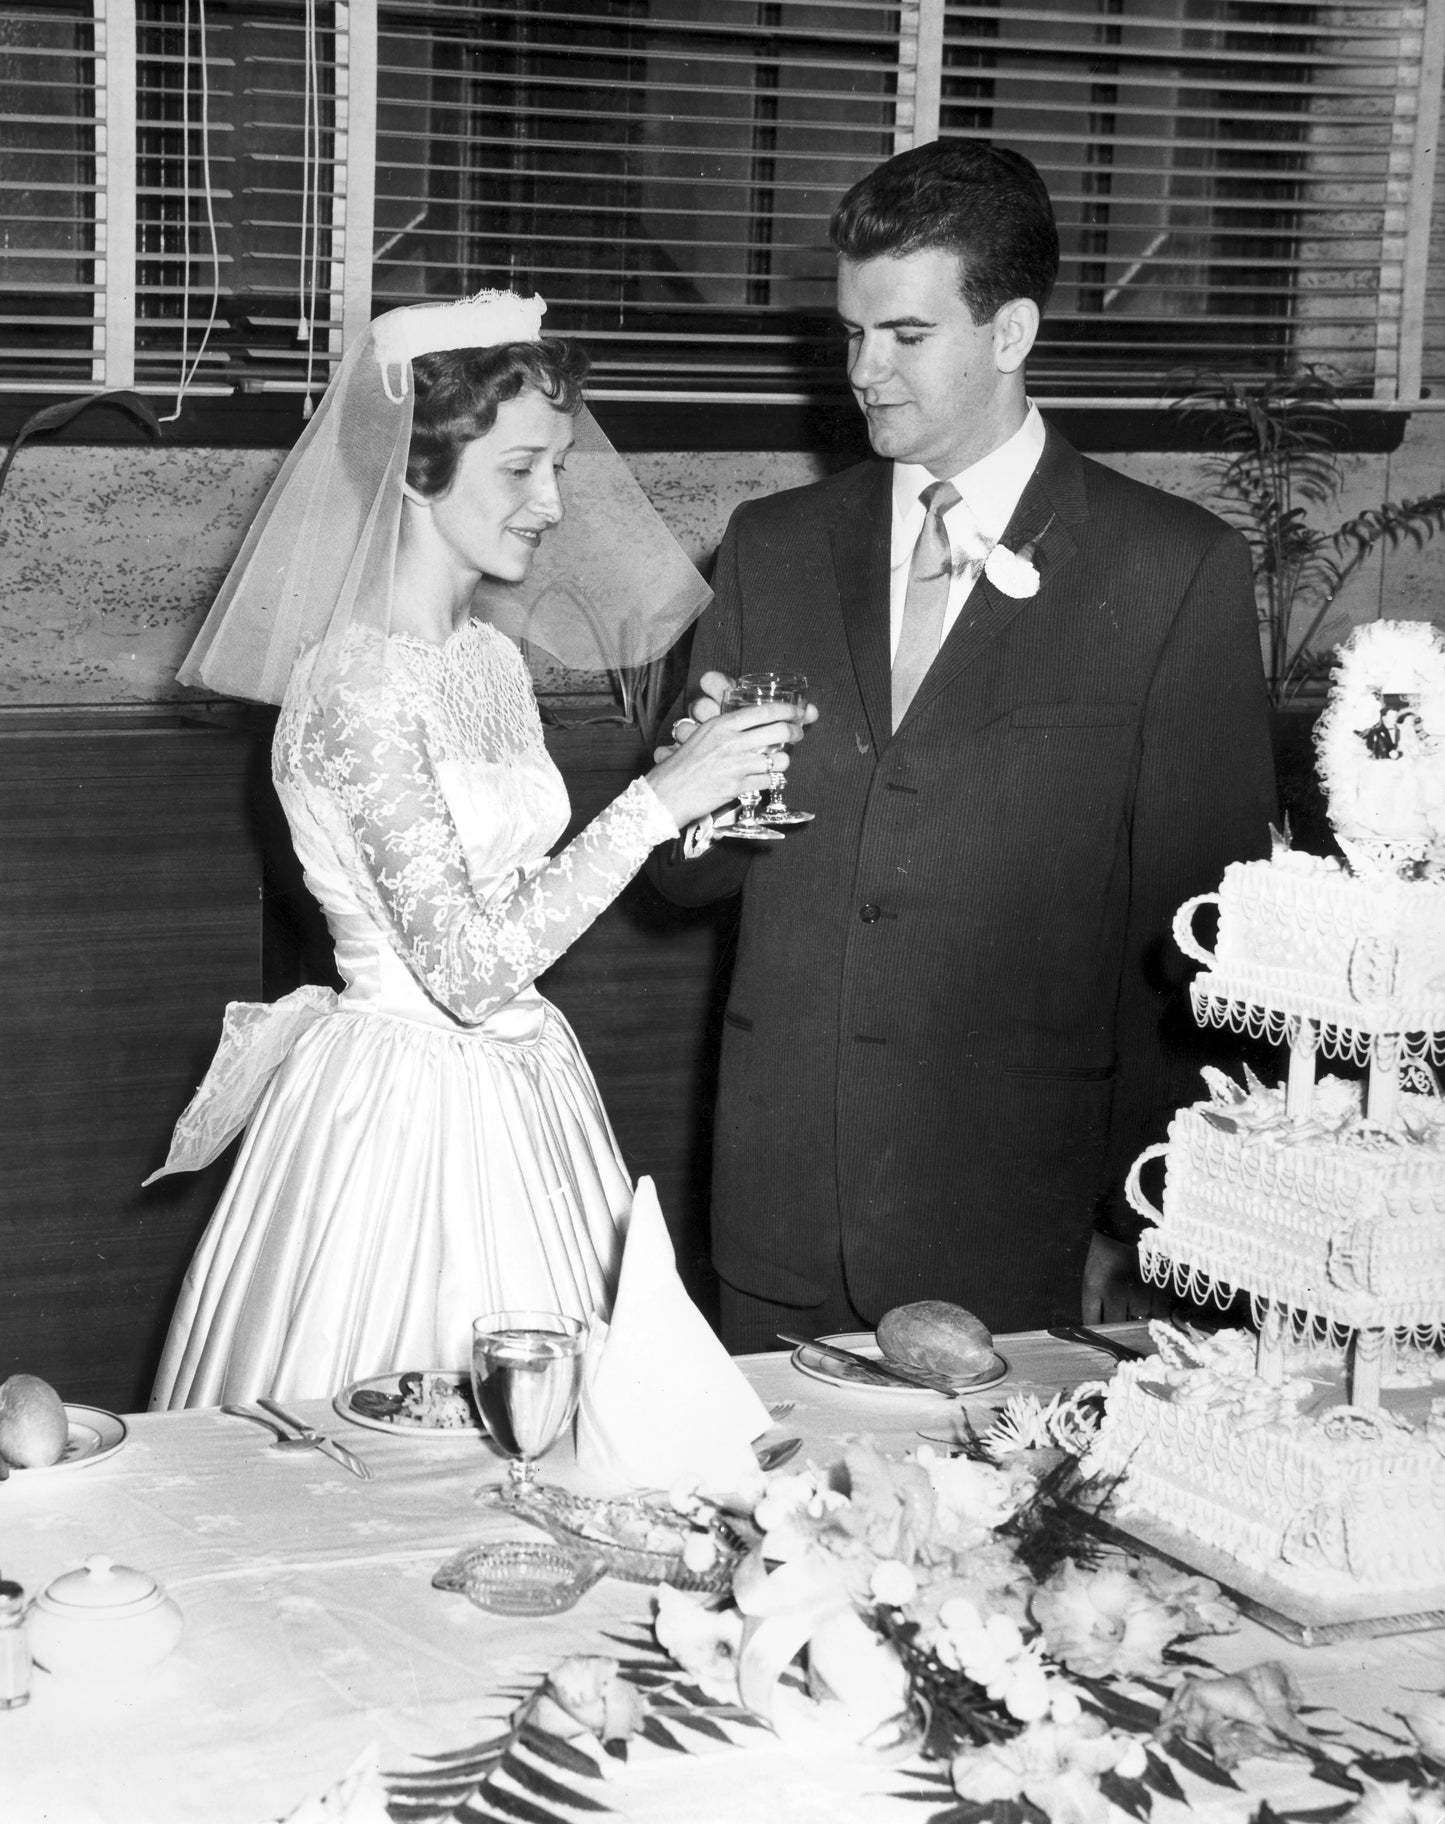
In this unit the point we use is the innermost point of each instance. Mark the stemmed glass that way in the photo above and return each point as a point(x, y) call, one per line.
point(753, 824)
point(526, 1375)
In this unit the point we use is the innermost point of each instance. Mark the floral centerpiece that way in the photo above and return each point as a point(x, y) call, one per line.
point(954, 1613)
point(954, 1605)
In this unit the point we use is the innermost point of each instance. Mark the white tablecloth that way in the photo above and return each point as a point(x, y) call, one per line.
point(312, 1629)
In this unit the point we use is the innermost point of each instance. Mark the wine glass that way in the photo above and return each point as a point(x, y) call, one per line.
point(526, 1376)
point(751, 688)
point(781, 687)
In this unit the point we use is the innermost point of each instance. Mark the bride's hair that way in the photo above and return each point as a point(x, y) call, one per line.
point(458, 393)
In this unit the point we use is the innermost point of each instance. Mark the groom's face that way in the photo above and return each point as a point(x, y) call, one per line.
point(924, 373)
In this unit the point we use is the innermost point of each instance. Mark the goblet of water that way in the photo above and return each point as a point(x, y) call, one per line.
point(526, 1376)
point(754, 824)
point(781, 687)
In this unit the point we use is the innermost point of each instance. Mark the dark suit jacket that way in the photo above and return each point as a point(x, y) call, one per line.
point(943, 1042)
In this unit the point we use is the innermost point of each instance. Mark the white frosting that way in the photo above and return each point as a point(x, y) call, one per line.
point(1338, 1218)
point(1334, 1222)
point(1299, 939)
point(1328, 1501)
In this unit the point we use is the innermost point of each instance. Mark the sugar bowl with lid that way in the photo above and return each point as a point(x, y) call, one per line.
point(102, 1620)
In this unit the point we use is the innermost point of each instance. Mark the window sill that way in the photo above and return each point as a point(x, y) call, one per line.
point(829, 426)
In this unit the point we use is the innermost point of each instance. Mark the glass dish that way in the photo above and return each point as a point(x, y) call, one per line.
point(520, 1576)
point(634, 1537)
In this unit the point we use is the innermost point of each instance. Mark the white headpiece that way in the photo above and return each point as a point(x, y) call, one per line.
point(609, 587)
point(485, 320)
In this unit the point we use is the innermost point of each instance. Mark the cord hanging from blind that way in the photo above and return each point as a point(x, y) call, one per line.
point(308, 276)
point(190, 369)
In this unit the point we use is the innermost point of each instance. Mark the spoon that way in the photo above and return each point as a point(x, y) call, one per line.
point(283, 1440)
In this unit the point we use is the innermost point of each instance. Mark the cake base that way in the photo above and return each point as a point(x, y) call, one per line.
point(1309, 1620)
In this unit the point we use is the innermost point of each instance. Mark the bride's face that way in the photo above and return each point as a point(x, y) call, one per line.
point(506, 493)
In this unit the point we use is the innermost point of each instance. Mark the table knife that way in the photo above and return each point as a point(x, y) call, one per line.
point(1095, 1339)
point(327, 1446)
point(879, 1370)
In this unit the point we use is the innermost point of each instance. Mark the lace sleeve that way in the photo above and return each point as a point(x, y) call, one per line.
point(472, 954)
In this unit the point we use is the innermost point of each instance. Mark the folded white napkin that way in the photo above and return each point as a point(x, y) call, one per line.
point(663, 1403)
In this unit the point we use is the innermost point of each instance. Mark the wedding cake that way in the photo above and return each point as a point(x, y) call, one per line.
point(1313, 1452)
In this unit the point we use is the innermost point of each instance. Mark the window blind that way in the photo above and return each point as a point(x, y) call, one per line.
point(1233, 179)
point(661, 171)
point(237, 186)
point(221, 190)
point(52, 273)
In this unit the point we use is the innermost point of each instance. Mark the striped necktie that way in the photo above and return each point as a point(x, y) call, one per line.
point(930, 571)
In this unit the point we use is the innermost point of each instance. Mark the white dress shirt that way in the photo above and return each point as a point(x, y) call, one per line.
point(988, 492)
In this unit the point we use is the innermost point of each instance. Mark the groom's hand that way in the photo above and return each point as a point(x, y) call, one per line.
point(713, 686)
point(1113, 1289)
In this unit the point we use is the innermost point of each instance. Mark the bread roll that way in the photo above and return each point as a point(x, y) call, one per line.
point(938, 1337)
point(33, 1425)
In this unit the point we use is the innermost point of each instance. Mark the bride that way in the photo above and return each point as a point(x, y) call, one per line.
point(431, 1144)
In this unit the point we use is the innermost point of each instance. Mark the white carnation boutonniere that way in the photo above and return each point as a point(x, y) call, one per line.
point(1014, 573)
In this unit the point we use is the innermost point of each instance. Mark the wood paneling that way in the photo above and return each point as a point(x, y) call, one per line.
point(129, 915)
point(135, 847)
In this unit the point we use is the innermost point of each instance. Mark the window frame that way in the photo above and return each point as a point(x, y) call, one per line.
point(692, 419)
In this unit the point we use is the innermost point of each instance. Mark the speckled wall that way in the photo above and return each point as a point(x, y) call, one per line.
point(109, 557)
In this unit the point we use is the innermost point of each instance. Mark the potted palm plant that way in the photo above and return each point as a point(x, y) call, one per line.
point(1274, 448)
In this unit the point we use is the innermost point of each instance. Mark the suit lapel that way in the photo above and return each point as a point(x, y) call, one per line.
point(1053, 502)
point(860, 535)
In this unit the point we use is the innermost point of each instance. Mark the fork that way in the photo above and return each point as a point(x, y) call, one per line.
point(781, 1408)
point(280, 1440)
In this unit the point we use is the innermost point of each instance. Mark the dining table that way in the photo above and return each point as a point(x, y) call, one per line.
point(314, 1637)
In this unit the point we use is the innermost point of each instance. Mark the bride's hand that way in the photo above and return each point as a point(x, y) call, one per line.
point(724, 755)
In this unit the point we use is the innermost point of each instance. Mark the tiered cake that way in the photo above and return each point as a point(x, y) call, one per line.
point(1314, 1451)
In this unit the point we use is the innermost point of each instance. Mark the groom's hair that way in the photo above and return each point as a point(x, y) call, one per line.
point(983, 203)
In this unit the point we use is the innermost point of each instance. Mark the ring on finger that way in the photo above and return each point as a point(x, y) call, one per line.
point(681, 723)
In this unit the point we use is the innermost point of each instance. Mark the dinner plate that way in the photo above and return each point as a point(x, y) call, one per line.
point(808, 1358)
point(381, 1398)
point(93, 1434)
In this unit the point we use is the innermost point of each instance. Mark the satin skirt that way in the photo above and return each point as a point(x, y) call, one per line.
point(396, 1181)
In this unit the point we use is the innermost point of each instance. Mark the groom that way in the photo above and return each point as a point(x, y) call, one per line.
point(957, 1015)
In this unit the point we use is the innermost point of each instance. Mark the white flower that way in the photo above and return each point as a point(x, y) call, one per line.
point(1068, 1422)
point(893, 1583)
point(1054, 1767)
point(1133, 1762)
point(1012, 573)
point(699, 1552)
point(970, 1493)
point(705, 1642)
point(993, 1654)
point(586, 1694)
point(1103, 1623)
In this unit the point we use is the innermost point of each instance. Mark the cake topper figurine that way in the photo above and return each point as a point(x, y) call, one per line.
point(1381, 745)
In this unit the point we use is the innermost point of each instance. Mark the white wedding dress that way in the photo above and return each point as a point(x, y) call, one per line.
point(430, 1145)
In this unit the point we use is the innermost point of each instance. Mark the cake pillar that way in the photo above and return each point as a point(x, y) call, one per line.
point(1382, 1098)
point(1367, 1361)
point(1300, 1085)
point(1269, 1350)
